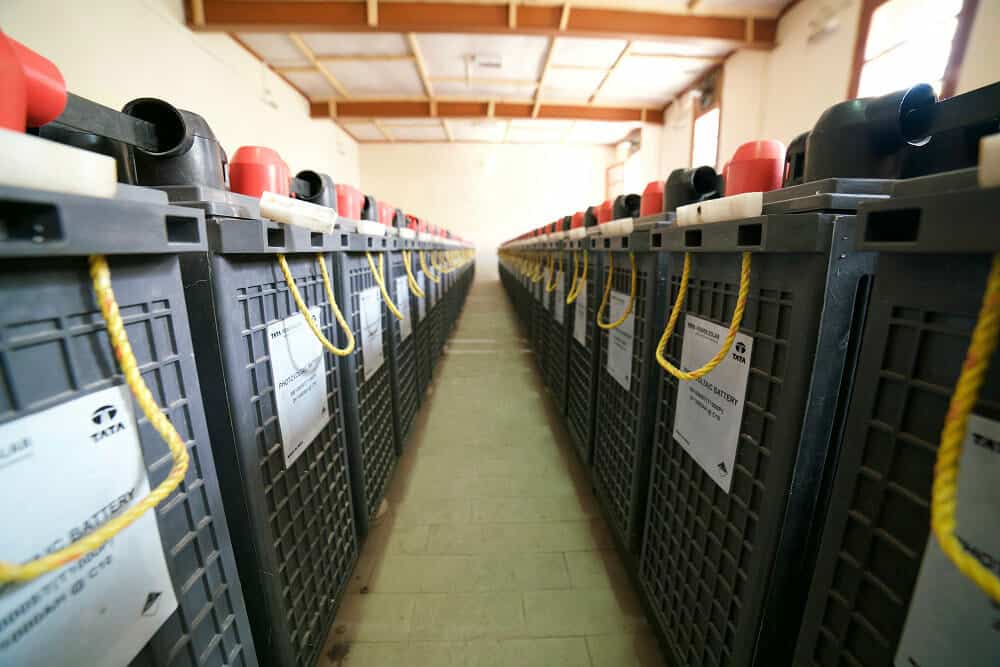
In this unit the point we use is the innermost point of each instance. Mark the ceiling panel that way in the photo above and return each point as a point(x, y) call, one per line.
point(685, 47)
point(498, 91)
point(275, 49)
point(387, 79)
point(582, 81)
point(586, 51)
point(313, 84)
point(597, 132)
point(477, 130)
point(417, 132)
point(521, 56)
point(411, 122)
point(650, 78)
point(363, 131)
point(350, 43)
point(526, 136)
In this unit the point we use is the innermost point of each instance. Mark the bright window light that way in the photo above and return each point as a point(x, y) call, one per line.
point(909, 42)
point(705, 150)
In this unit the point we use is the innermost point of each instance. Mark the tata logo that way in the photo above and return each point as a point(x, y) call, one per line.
point(104, 414)
point(986, 443)
point(740, 354)
point(104, 418)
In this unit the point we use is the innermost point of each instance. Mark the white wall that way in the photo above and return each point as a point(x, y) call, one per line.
point(486, 193)
point(112, 51)
point(743, 78)
point(982, 54)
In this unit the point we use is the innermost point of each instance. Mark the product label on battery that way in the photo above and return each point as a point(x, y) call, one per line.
point(371, 330)
point(403, 306)
point(298, 371)
point(547, 299)
point(422, 303)
point(65, 472)
point(580, 316)
point(710, 409)
point(559, 301)
point(620, 340)
point(951, 620)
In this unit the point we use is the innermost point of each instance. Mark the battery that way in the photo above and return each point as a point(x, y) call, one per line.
point(883, 591)
point(583, 351)
point(403, 336)
point(54, 351)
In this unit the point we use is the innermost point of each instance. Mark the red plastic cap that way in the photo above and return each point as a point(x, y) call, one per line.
point(385, 213)
point(349, 202)
point(606, 211)
point(577, 220)
point(34, 91)
point(412, 222)
point(757, 166)
point(255, 169)
point(652, 199)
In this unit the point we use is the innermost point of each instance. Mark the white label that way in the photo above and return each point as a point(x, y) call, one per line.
point(371, 330)
point(64, 472)
point(580, 316)
point(422, 302)
point(710, 409)
point(620, 341)
point(547, 299)
point(560, 301)
point(403, 306)
point(951, 621)
point(298, 372)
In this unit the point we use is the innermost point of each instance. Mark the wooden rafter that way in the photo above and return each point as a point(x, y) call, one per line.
point(512, 15)
point(447, 129)
point(541, 79)
point(301, 45)
point(382, 128)
point(611, 70)
point(418, 58)
point(468, 17)
point(469, 108)
point(371, 13)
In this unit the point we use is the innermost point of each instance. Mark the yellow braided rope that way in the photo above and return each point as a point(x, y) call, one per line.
point(944, 491)
point(538, 269)
point(410, 279)
point(583, 280)
point(304, 309)
point(12, 572)
point(734, 325)
point(572, 284)
point(427, 272)
point(379, 276)
point(607, 292)
point(553, 275)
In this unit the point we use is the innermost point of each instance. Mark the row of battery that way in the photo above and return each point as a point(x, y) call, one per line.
point(291, 447)
point(776, 510)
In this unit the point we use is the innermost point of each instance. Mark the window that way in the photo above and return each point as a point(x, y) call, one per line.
point(904, 42)
point(705, 140)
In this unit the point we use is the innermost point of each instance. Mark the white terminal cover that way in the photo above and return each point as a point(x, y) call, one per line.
point(424, 236)
point(296, 212)
point(39, 164)
point(989, 161)
point(371, 228)
point(407, 233)
point(620, 227)
point(734, 207)
point(593, 230)
point(578, 233)
point(557, 236)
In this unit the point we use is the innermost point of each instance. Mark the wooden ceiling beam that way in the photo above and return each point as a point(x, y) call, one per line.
point(301, 45)
point(541, 80)
point(366, 109)
point(425, 80)
point(611, 70)
point(459, 17)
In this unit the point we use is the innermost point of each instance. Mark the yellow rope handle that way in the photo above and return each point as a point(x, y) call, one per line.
point(410, 279)
point(304, 309)
point(379, 276)
point(553, 275)
point(607, 291)
point(944, 491)
point(734, 325)
point(14, 572)
point(538, 269)
point(423, 266)
point(570, 298)
point(572, 284)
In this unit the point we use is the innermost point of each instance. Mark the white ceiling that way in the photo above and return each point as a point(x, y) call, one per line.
point(501, 68)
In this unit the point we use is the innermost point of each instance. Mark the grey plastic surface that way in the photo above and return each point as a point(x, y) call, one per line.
point(405, 387)
point(50, 320)
point(623, 422)
point(725, 573)
point(923, 306)
point(581, 390)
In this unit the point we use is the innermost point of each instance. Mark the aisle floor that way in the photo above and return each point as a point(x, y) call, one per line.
point(492, 552)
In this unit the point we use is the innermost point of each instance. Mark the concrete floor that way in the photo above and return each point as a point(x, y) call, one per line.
point(493, 551)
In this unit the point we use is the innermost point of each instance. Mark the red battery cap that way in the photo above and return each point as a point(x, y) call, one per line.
point(757, 166)
point(652, 199)
point(255, 169)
